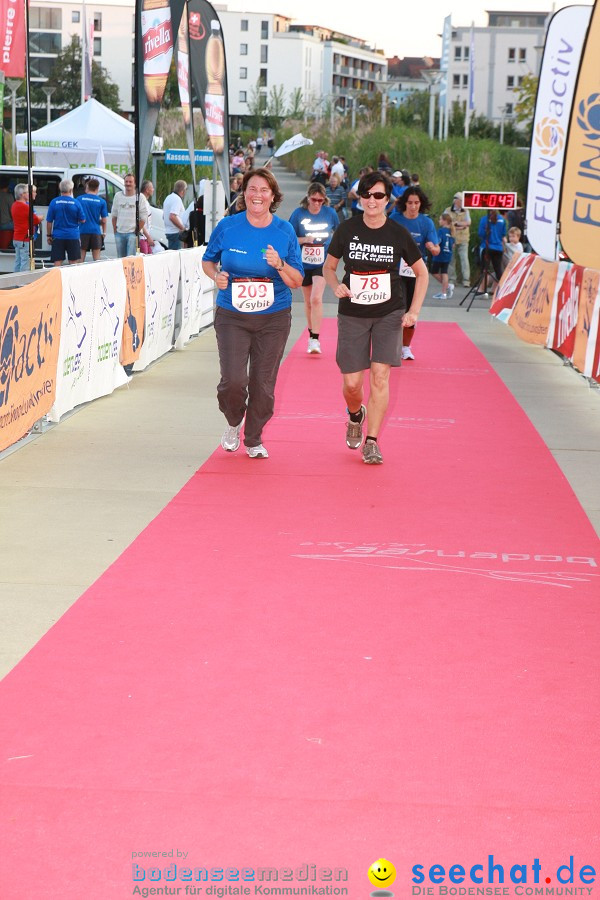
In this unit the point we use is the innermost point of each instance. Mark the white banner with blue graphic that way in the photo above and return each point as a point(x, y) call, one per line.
point(93, 307)
point(197, 296)
point(556, 87)
point(161, 274)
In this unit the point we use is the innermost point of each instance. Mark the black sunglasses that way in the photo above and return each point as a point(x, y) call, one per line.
point(378, 195)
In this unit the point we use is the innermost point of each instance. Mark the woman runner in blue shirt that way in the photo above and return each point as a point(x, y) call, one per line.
point(254, 260)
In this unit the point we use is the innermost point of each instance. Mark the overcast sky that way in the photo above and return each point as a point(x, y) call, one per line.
point(391, 27)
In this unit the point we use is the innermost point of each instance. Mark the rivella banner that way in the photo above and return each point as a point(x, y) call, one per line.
point(209, 77)
point(580, 193)
point(556, 87)
point(156, 24)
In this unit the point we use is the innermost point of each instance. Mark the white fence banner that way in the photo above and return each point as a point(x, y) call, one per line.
point(93, 307)
point(197, 296)
point(161, 274)
point(556, 88)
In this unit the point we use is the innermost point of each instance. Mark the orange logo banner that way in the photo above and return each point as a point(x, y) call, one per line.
point(530, 317)
point(580, 197)
point(135, 310)
point(30, 321)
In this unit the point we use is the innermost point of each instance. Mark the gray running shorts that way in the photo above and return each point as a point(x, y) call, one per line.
point(363, 341)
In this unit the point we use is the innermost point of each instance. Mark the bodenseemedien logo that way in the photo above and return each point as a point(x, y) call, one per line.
point(549, 136)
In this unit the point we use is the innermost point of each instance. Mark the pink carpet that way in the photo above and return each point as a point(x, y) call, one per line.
point(309, 662)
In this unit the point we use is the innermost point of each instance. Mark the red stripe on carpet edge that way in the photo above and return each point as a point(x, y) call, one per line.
point(306, 659)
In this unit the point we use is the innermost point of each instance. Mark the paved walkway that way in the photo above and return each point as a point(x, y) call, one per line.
point(76, 496)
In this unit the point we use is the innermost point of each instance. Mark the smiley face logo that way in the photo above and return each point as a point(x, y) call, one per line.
point(382, 873)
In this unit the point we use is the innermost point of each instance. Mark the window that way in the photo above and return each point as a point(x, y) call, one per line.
point(508, 109)
point(75, 16)
point(97, 21)
point(510, 82)
point(41, 66)
point(264, 53)
point(512, 54)
point(243, 49)
point(43, 42)
point(456, 81)
point(465, 81)
point(264, 30)
point(244, 25)
point(243, 72)
point(262, 78)
point(519, 80)
point(466, 53)
point(97, 46)
point(522, 54)
point(457, 54)
point(46, 19)
point(242, 96)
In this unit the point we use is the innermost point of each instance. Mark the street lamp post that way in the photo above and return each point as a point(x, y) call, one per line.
point(48, 92)
point(502, 115)
point(13, 84)
point(433, 78)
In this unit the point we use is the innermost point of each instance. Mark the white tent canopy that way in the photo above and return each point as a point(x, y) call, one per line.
point(78, 137)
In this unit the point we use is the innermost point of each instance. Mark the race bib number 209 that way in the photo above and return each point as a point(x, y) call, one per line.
point(252, 295)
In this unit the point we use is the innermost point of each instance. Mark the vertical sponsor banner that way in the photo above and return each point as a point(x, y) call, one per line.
point(209, 77)
point(556, 87)
point(93, 306)
point(589, 301)
point(530, 317)
point(185, 90)
point(2, 160)
point(565, 310)
point(444, 60)
point(197, 296)
point(156, 21)
point(161, 279)
point(135, 309)
point(510, 285)
point(12, 35)
point(88, 55)
point(30, 326)
point(580, 192)
point(591, 367)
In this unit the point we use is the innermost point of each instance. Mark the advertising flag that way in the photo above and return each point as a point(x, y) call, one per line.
point(156, 22)
point(589, 303)
point(12, 19)
point(556, 86)
point(580, 192)
point(209, 77)
point(185, 91)
point(565, 310)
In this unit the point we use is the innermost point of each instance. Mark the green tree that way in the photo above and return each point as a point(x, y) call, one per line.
point(65, 78)
point(257, 103)
point(525, 104)
point(276, 105)
point(295, 108)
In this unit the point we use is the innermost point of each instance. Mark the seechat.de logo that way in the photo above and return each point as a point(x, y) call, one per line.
point(549, 136)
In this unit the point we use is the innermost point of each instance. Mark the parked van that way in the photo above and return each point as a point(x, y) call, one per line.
point(47, 180)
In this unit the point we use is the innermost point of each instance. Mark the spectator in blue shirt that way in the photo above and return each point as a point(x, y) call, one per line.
point(93, 231)
point(439, 265)
point(64, 217)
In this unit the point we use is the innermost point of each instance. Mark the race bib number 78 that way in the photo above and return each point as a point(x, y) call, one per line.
point(370, 287)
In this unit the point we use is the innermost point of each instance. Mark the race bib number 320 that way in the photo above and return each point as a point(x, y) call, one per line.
point(252, 296)
point(370, 287)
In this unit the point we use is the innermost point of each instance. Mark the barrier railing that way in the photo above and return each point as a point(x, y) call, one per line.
point(75, 333)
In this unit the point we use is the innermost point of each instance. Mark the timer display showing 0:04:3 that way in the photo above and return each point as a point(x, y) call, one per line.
point(490, 200)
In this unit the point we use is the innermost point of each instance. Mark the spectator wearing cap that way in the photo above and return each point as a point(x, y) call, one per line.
point(461, 229)
point(398, 184)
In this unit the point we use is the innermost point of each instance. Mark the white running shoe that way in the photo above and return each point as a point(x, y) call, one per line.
point(314, 345)
point(450, 290)
point(231, 437)
point(258, 452)
point(440, 296)
point(407, 353)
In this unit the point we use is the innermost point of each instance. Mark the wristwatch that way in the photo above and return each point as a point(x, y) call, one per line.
point(281, 267)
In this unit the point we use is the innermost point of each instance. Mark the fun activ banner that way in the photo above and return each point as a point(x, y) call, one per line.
point(30, 328)
point(556, 87)
point(12, 35)
point(161, 279)
point(209, 78)
point(580, 193)
point(530, 317)
point(135, 309)
point(93, 307)
point(197, 296)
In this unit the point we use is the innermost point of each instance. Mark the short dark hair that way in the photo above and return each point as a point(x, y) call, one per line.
point(368, 181)
point(92, 183)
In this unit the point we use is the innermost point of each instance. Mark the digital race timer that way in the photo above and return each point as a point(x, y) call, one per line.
point(490, 200)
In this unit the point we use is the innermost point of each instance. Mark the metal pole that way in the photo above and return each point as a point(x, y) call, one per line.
point(431, 112)
point(353, 113)
point(29, 154)
point(383, 108)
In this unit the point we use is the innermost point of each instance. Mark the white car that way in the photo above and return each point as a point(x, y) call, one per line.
point(47, 179)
